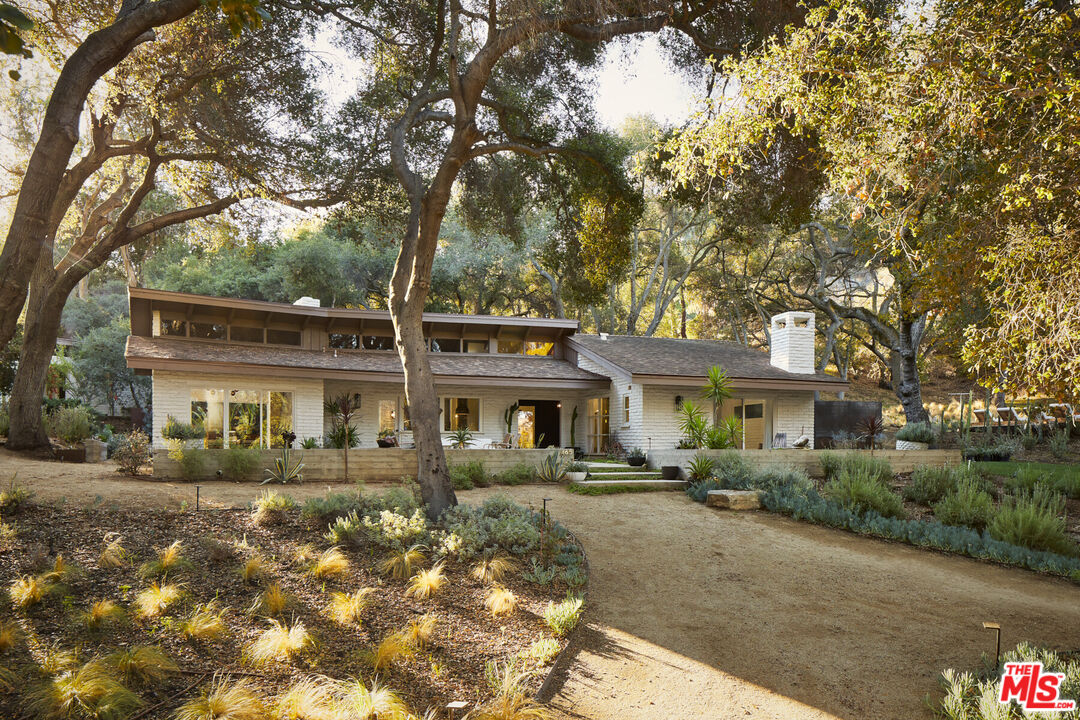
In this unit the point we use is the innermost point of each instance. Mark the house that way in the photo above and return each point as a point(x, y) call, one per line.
point(249, 370)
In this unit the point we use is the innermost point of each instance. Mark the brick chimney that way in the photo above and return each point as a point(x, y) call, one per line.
point(792, 342)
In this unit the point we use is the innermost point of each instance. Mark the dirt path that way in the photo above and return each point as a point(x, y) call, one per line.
point(697, 613)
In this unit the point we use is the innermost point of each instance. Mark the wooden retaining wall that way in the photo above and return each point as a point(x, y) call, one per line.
point(902, 461)
point(366, 465)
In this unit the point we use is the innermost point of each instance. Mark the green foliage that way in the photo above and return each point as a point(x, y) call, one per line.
point(551, 469)
point(99, 363)
point(5, 420)
point(930, 484)
point(176, 430)
point(967, 503)
point(499, 524)
point(863, 463)
point(1059, 443)
point(916, 432)
point(132, 452)
point(562, 617)
point(518, 474)
point(700, 467)
point(468, 475)
point(193, 464)
point(616, 489)
point(859, 491)
point(238, 463)
point(463, 438)
point(70, 424)
point(341, 435)
point(287, 468)
point(717, 387)
point(693, 425)
point(309, 443)
point(1033, 521)
point(733, 471)
point(1064, 479)
point(987, 448)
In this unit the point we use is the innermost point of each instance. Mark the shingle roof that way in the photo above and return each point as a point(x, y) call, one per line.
point(687, 358)
point(142, 351)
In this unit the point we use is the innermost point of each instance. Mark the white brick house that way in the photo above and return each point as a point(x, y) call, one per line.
point(249, 370)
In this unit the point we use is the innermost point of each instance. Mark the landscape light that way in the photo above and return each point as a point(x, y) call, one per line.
point(455, 705)
point(996, 627)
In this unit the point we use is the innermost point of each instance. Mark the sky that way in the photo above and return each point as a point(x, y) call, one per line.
point(635, 80)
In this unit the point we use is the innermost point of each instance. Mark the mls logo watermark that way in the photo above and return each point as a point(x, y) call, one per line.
point(1027, 684)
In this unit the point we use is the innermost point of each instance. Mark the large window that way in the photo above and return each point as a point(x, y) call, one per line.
point(283, 337)
point(241, 333)
point(510, 347)
point(459, 413)
point(599, 430)
point(208, 331)
point(256, 418)
point(476, 346)
point(245, 419)
point(208, 412)
point(538, 347)
point(344, 341)
point(173, 328)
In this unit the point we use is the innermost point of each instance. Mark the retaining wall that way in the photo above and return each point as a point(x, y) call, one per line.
point(366, 465)
point(809, 460)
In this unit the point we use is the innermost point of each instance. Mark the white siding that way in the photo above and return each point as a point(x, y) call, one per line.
point(793, 413)
point(172, 396)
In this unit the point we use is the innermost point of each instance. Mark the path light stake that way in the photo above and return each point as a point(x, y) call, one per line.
point(996, 627)
point(456, 705)
point(543, 534)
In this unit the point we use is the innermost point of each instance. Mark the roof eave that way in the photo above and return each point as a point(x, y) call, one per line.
point(744, 383)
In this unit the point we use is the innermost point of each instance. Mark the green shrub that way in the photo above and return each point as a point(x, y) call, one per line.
point(916, 432)
point(469, 475)
point(1064, 479)
point(1033, 521)
point(516, 475)
point(176, 430)
point(930, 484)
point(1059, 443)
point(733, 471)
point(967, 504)
point(132, 452)
point(700, 468)
point(830, 464)
point(70, 424)
point(193, 464)
point(699, 491)
point(329, 508)
point(562, 617)
point(239, 463)
point(859, 490)
point(991, 449)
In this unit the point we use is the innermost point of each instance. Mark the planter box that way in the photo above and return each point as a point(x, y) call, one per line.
point(669, 472)
point(635, 462)
point(76, 454)
point(911, 445)
point(576, 477)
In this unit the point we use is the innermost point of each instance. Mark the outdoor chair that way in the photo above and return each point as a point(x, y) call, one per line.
point(506, 443)
point(979, 416)
point(1009, 416)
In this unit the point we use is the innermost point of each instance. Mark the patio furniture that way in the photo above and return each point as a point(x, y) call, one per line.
point(979, 416)
point(1063, 413)
point(779, 440)
point(509, 441)
point(1009, 416)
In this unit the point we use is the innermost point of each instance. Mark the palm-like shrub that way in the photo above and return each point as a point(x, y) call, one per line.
point(341, 410)
point(700, 468)
point(693, 424)
point(860, 491)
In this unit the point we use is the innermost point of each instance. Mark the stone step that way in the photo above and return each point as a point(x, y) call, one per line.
point(734, 499)
point(644, 481)
point(613, 468)
point(627, 476)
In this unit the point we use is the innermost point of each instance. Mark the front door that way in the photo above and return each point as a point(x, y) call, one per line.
point(538, 423)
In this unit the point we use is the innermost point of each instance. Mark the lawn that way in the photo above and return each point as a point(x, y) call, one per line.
point(1064, 478)
point(149, 610)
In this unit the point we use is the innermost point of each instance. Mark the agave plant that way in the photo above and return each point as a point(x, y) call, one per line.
point(701, 467)
point(286, 469)
point(551, 469)
point(463, 438)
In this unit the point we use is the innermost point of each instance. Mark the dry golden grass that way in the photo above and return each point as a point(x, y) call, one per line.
point(101, 613)
point(311, 699)
point(426, 583)
point(278, 643)
point(56, 660)
point(500, 601)
point(10, 635)
point(420, 630)
point(345, 608)
point(113, 555)
point(206, 622)
point(8, 679)
point(29, 590)
point(328, 564)
point(376, 701)
point(141, 664)
point(271, 601)
point(155, 600)
point(492, 569)
point(392, 647)
point(89, 690)
point(305, 554)
point(512, 700)
point(61, 570)
point(168, 560)
point(400, 564)
point(270, 507)
point(224, 700)
point(252, 570)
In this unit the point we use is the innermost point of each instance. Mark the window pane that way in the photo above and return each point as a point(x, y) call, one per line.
point(387, 415)
point(534, 347)
point(245, 418)
point(208, 412)
point(347, 342)
point(283, 337)
point(445, 345)
point(754, 411)
point(378, 342)
point(461, 413)
point(208, 331)
point(510, 347)
point(626, 409)
point(476, 346)
point(174, 328)
point(281, 417)
point(238, 333)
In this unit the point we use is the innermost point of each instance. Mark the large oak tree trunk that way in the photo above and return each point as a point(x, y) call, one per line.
point(29, 234)
point(906, 382)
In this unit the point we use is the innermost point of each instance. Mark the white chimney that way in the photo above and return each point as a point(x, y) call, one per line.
point(792, 342)
point(307, 301)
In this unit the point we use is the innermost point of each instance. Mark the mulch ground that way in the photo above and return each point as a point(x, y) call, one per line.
point(450, 667)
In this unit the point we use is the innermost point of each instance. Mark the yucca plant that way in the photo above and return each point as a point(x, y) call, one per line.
point(224, 700)
point(389, 650)
point(88, 690)
point(419, 631)
point(492, 568)
point(271, 601)
point(155, 600)
point(278, 643)
point(29, 590)
point(346, 608)
point(113, 555)
point(286, 468)
point(717, 389)
point(169, 560)
point(10, 635)
point(206, 622)
point(101, 613)
point(252, 570)
point(562, 617)
point(426, 583)
point(270, 507)
point(500, 601)
point(141, 664)
point(328, 564)
point(693, 424)
point(400, 564)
